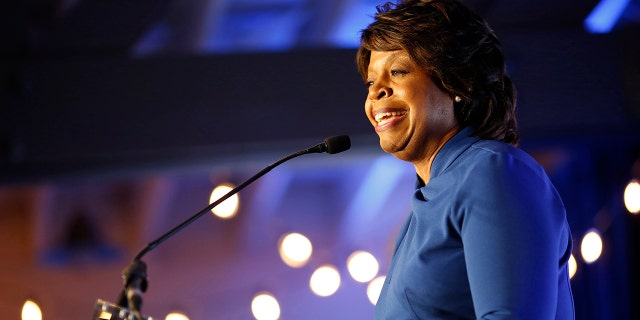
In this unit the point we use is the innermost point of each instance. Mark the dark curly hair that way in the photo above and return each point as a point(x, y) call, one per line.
point(461, 53)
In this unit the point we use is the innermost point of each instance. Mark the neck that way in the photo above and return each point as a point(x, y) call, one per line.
point(423, 165)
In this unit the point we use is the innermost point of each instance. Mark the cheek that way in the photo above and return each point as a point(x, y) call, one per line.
point(441, 104)
point(423, 105)
point(434, 112)
point(446, 116)
point(417, 95)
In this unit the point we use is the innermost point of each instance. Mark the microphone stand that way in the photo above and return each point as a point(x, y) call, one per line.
point(135, 275)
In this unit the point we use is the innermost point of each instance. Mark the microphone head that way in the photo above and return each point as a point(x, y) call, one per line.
point(337, 144)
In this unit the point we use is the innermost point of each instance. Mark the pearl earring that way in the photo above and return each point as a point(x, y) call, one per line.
point(457, 99)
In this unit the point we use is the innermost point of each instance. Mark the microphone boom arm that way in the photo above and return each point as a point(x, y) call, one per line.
point(134, 276)
point(208, 208)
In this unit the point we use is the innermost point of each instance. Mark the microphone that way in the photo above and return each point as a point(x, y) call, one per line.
point(332, 145)
point(134, 276)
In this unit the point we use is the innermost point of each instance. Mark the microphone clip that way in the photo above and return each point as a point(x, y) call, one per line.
point(135, 283)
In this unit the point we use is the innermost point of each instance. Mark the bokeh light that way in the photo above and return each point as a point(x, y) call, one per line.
point(591, 247)
point(374, 288)
point(228, 208)
point(31, 311)
point(362, 266)
point(265, 306)
point(325, 281)
point(632, 196)
point(573, 266)
point(176, 316)
point(295, 249)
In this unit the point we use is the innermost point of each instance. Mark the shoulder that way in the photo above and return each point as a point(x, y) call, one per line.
point(494, 181)
point(489, 166)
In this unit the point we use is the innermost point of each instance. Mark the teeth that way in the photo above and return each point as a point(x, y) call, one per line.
point(382, 117)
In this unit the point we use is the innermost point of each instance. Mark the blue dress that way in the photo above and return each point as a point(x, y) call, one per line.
point(487, 238)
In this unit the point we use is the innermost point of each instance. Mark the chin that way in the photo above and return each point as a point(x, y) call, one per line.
point(392, 149)
point(400, 152)
point(401, 156)
point(387, 146)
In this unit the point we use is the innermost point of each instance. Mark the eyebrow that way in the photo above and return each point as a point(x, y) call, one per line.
point(396, 54)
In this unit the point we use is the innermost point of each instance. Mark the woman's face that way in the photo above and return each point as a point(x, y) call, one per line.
point(410, 114)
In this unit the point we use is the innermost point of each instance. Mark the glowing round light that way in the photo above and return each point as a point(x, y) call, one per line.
point(176, 316)
point(374, 288)
point(226, 209)
point(591, 247)
point(325, 281)
point(31, 311)
point(264, 306)
point(632, 196)
point(573, 266)
point(362, 266)
point(295, 249)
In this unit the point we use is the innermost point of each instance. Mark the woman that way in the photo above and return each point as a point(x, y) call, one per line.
point(487, 237)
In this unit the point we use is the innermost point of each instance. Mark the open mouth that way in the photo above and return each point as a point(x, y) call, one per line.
point(383, 118)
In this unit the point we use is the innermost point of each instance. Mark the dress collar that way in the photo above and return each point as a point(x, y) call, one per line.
point(450, 152)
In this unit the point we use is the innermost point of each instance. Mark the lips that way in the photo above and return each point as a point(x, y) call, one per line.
point(385, 117)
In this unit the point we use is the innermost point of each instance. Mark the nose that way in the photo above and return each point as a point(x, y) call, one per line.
point(379, 90)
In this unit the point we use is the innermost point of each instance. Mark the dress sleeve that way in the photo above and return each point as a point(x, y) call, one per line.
point(512, 222)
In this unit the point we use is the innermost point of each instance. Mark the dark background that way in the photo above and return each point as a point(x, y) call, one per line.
point(130, 105)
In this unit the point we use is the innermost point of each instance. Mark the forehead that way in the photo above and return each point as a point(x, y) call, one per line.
point(380, 59)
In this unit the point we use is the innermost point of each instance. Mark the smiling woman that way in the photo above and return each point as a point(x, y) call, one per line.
point(487, 237)
point(410, 113)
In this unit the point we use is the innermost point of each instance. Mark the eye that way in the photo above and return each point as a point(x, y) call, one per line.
point(368, 84)
point(399, 72)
